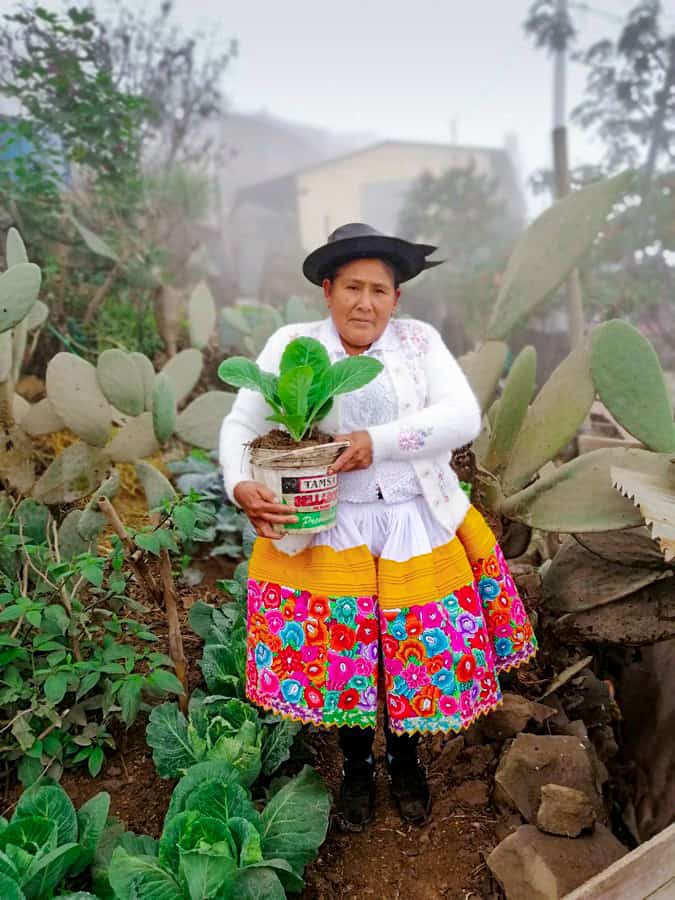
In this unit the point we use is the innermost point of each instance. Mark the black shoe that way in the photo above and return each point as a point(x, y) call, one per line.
point(409, 788)
point(357, 793)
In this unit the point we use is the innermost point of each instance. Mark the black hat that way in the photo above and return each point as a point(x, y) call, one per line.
point(359, 241)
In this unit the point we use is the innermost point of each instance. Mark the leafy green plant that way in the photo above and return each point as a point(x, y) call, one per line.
point(223, 631)
point(48, 842)
point(230, 533)
point(218, 728)
point(303, 392)
point(216, 844)
point(522, 435)
point(71, 660)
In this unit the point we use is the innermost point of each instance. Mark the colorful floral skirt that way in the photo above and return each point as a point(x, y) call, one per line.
point(386, 586)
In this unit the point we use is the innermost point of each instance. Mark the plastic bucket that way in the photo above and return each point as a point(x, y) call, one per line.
point(301, 481)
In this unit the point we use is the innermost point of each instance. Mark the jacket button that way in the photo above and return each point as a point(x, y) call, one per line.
point(426, 473)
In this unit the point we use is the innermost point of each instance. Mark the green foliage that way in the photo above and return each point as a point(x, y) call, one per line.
point(56, 68)
point(121, 382)
point(307, 382)
point(629, 380)
point(553, 419)
point(247, 325)
point(201, 316)
point(199, 423)
point(512, 408)
point(69, 662)
point(128, 324)
point(464, 213)
point(579, 497)
point(224, 535)
point(550, 249)
point(47, 842)
point(518, 443)
point(216, 844)
point(218, 728)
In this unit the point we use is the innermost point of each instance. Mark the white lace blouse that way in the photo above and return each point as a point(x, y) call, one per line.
point(375, 404)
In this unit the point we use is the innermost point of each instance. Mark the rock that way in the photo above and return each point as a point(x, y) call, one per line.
point(604, 741)
point(589, 698)
point(507, 824)
point(531, 865)
point(575, 729)
point(512, 716)
point(532, 761)
point(445, 754)
point(642, 618)
point(472, 793)
point(564, 811)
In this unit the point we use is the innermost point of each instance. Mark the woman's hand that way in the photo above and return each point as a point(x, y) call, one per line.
point(262, 508)
point(359, 454)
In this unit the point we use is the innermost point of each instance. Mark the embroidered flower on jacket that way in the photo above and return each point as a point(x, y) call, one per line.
point(412, 439)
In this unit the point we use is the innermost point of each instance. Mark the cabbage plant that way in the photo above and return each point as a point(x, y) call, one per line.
point(216, 844)
point(47, 842)
point(302, 394)
point(218, 728)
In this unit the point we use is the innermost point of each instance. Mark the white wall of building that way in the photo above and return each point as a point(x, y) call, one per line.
point(347, 189)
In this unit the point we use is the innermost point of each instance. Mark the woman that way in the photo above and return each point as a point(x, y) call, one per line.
point(410, 580)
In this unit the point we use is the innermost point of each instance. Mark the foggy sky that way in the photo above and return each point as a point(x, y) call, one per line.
point(402, 68)
point(427, 70)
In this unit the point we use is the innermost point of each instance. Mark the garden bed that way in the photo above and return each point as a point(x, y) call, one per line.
point(446, 858)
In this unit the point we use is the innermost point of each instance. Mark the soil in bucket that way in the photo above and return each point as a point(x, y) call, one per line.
point(297, 472)
point(281, 440)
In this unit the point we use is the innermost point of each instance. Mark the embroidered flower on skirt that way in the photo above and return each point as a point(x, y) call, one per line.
point(315, 659)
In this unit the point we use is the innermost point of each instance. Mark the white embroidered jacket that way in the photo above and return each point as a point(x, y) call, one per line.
point(438, 411)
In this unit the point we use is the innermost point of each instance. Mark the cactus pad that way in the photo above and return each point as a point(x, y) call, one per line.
point(75, 394)
point(121, 381)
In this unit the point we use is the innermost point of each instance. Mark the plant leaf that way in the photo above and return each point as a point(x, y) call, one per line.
point(551, 248)
point(277, 741)
point(167, 734)
point(654, 495)
point(91, 820)
point(295, 821)
point(294, 390)
point(630, 382)
point(352, 373)
point(578, 496)
point(135, 877)
point(196, 776)
point(52, 803)
point(553, 419)
point(258, 883)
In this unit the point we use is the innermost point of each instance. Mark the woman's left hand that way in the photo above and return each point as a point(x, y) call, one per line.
point(359, 454)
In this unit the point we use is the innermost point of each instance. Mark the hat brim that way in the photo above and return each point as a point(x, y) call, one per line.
point(407, 258)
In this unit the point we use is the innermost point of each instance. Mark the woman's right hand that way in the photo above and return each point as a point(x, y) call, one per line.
point(262, 508)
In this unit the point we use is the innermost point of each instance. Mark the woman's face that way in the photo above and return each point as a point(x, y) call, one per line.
point(361, 299)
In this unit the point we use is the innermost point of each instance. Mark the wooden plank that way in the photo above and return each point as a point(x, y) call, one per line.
point(646, 873)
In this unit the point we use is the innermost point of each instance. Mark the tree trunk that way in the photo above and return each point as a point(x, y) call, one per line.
point(575, 309)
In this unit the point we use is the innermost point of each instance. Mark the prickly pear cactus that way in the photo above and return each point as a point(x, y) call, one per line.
point(74, 392)
point(164, 407)
point(121, 381)
point(201, 316)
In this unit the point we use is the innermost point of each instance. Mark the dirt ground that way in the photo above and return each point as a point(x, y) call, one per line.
point(444, 859)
